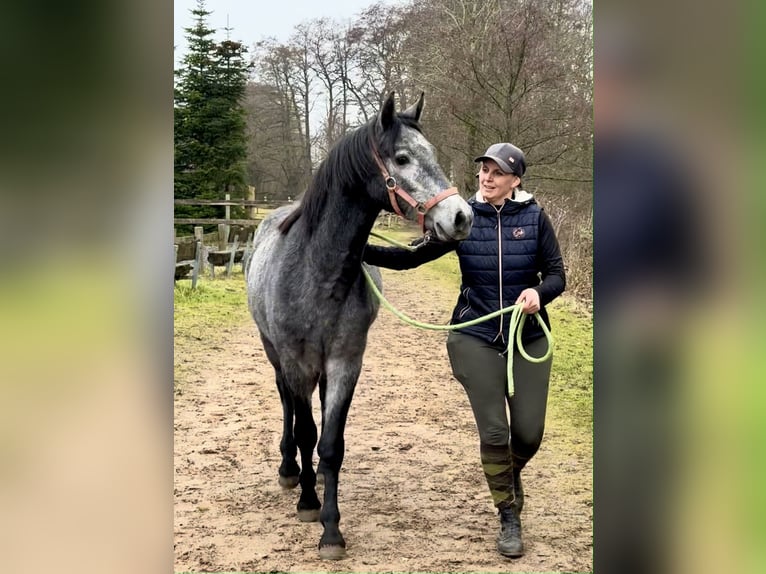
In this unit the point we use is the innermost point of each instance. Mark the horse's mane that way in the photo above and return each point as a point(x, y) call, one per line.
point(348, 162)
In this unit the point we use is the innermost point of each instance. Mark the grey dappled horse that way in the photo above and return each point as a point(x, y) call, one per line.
point(309, 298)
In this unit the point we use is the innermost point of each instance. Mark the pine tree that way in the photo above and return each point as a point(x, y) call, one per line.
point(209, 119)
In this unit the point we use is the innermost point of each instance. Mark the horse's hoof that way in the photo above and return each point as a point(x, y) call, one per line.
point(310, 515)
point(288, 482)
point(332, 552)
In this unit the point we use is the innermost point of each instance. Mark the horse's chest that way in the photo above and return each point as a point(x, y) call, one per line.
point(315, 324)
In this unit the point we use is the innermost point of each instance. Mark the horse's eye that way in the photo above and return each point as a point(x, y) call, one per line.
point(402, 160)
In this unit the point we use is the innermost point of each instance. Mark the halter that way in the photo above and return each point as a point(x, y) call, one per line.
point(394, 189)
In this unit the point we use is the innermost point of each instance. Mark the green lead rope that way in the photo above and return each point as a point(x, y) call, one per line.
point(516, 323)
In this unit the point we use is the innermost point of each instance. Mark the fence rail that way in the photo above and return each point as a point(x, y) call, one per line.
point(257, 214)
point(210, 221)
point(241, 202)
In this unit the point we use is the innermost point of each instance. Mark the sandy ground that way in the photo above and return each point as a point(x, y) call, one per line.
point(412, 495)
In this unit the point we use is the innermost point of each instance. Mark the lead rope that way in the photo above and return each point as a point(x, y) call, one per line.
point(516, 321)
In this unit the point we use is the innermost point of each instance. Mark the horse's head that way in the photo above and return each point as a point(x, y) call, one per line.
point(415, 183)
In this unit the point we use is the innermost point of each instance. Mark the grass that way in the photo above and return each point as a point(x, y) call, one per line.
point(202, 317)
point(214, 304)
point(571, 386)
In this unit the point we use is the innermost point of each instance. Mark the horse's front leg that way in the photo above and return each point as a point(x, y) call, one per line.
point(322, 393)
point(306, 438)
point(341, 381)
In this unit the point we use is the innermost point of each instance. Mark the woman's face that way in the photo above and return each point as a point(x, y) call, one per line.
point(496, 185)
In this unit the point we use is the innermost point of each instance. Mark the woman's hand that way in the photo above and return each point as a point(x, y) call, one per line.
point(529, 299)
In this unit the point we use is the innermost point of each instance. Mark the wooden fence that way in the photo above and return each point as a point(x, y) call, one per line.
point(231, 244)
point(257, 210)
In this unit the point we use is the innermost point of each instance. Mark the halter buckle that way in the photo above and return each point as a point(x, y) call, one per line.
point(390, 183)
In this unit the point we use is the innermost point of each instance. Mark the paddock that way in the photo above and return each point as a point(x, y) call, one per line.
point(414, 496)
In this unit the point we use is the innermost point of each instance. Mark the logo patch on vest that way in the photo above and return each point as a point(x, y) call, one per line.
point(518, 233)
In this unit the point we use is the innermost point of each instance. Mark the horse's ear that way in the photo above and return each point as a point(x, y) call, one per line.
point(386, 116)
point(416, 109)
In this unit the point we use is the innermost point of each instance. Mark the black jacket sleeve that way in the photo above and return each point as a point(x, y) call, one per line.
point(400, 258)
point(551, 263)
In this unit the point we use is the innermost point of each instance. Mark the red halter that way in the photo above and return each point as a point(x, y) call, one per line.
point(394, 190)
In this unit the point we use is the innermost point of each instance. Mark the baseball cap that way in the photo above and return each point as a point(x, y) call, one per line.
point(508, 157)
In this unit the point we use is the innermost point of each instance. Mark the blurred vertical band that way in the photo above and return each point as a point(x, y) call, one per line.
point(85, 296)
point(678, 284)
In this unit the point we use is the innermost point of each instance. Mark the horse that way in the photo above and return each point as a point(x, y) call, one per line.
point(308, 297)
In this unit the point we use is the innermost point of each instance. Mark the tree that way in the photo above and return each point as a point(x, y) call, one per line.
point(378, 64)
point(325, 65)
point(280, 67)
point(276, 146)
point(493, 70)
point(209, 119)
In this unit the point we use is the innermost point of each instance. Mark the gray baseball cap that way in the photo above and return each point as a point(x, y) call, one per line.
point(508, 157)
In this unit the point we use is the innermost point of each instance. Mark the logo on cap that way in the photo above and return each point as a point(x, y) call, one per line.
point(518, 233)
point(511, 159)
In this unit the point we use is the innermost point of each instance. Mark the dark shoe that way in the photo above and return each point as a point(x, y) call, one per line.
point(509, 539)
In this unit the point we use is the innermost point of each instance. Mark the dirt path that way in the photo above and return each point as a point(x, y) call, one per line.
point(412, 495)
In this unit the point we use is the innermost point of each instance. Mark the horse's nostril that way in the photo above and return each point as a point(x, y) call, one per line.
point(460, 220)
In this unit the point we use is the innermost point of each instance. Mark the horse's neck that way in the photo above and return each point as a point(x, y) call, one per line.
point(343, 229)
point(336, 246)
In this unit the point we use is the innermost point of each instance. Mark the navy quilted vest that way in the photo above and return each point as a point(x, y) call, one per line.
point(497, 262)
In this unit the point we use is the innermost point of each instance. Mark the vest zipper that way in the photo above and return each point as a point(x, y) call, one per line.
point(500, 268)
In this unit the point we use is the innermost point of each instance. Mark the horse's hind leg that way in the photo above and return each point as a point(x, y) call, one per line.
point(289, 470)
point(306, 438)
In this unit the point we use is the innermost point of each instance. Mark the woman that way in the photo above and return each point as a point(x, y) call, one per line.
point(512, 256)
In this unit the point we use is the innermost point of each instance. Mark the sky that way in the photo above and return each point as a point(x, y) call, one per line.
point(254, 20)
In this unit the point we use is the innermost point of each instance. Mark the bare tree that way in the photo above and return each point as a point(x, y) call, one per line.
point(378, 66)
point(494, 70)
point(278, 65)
point(322, 38)
point(303, 80)
point(502, 70)
point(344, 50)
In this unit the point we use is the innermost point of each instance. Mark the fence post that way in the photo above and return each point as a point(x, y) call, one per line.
point(197, 262)
point(231, 257)
point(198, 237)
point(248, 251)
point(251, 210)
point(223, 236)
point(206, 261)
point(228, 216)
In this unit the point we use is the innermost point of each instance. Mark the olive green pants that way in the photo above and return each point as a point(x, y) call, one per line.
point(504, 446)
